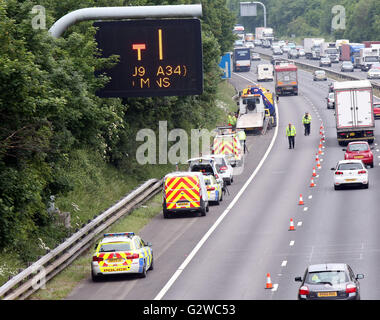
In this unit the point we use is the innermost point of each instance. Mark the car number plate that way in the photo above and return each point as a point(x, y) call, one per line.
point(114, 260)
point(327, 294)
point(358, 157)
point(348, 180)
point(183, 205)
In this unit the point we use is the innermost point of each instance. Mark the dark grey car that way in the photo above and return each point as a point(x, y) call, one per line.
point(331, 281)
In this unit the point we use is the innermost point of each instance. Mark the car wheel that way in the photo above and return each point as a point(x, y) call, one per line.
point(143, 273)
point(94, 277)
point(203, 210)
point(336, 187)
point(151, 267)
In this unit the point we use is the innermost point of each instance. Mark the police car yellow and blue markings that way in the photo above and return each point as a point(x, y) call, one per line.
point(105, 262)
point(216, 186)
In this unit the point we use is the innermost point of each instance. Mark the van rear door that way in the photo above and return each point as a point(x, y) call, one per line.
point(182, 192)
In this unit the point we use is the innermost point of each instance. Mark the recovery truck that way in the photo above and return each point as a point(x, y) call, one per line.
point(353, 111)
point(286, 79)
point(256, 107)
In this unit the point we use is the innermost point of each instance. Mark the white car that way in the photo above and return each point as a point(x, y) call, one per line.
point(350, 172)
point(249, 44)
point(206, 165)
point(331, 100)
point(286, 49)
point(119, 253)
point(373, 74)
point(224, 168)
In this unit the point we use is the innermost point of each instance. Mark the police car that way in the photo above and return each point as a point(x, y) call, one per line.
point(119, 253)
point(214, 189)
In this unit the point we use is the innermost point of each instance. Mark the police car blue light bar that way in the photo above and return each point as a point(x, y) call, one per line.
point(119, 234)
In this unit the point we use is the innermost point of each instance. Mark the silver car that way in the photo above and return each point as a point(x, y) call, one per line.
point(325, 61)
point(373, 74)
point(347, 66)
point(331, 100)
point(319, 75)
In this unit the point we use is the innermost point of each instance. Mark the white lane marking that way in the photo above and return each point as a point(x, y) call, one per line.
point(291, 243)
point(177, 273)
point(284, 263)
point(299, 224)
point(310, 197)
point(305, 209)
point(275, 287)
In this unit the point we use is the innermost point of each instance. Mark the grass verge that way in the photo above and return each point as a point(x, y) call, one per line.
point(61, 285)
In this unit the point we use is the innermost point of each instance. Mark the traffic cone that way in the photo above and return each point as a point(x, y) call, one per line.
point(291, 228)
point(269, 284)
point(319, 150)
point(300, 202)
point(316, 157)
point(318, 164)
point(312, 184)
point(314, 173)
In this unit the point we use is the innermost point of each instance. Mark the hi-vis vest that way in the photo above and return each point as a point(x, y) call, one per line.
point(241, 135)
point(291, 132)
point(306, 120)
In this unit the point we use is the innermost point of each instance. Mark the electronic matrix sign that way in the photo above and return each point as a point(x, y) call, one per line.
point(157, 57)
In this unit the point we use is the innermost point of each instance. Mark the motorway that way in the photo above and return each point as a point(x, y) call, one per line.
point(251, 237)
point(334, 66)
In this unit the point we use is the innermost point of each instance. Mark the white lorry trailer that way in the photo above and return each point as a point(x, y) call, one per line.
point(265, 72)
point(354, 111)
point(313, 48)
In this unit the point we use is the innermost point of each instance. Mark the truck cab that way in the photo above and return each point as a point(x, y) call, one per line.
point(368, 56)
point(332, 53)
